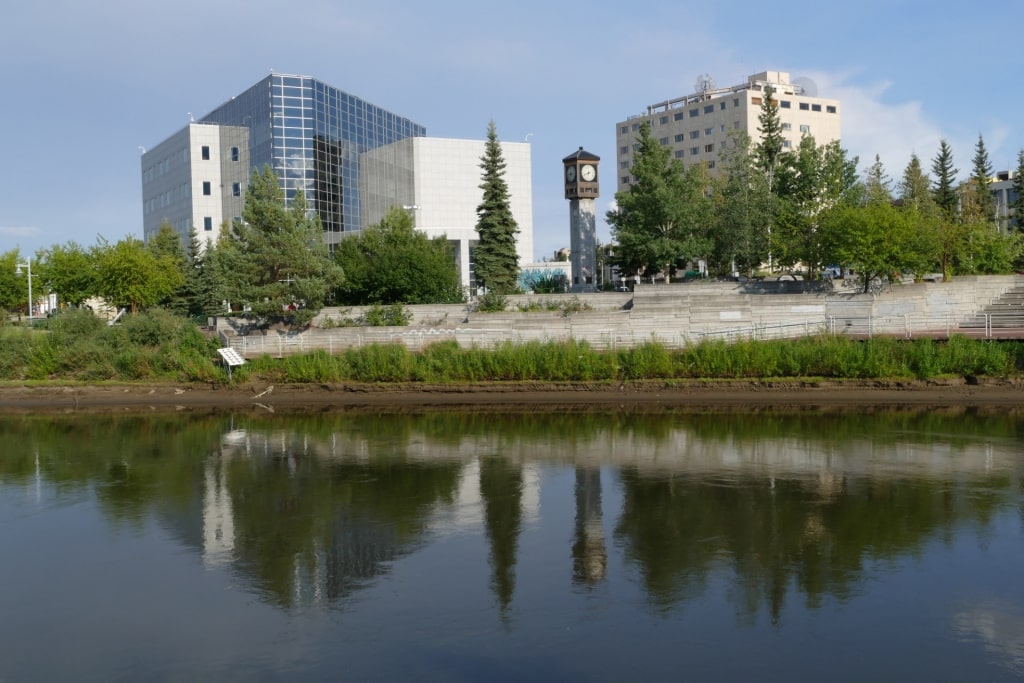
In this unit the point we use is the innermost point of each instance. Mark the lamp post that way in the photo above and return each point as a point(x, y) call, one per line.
point(17, 271)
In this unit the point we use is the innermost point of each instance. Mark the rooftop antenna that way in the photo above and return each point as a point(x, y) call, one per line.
point(704, 83)
point(142, 149)
point(190, 117)
point(527, 138)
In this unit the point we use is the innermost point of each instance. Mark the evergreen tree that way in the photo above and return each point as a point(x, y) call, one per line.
point(743, 210)
point(166, 244)
point(663, 218)
point(1016, 207)
point(768, 152)
point(943, 189)
point(981, 203)
point(877, 185)
point(497, 263)
point(275, 260)
point(915, 187)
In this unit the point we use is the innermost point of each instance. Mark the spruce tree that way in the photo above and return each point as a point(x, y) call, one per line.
point(943, 190)
point(1016, 207)
point(497, 263)
point(877, 184)
point(768, 152)
point(166, 245)
point(983, 205)
point(914, 188)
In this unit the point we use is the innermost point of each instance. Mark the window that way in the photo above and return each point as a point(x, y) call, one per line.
point(709, 131)
point(636, 147)
point(735, 125)
point(236, 189)
point(679, 154)
point(636, 126)
point(694, 112)
point(711, 163)
point(694, 134)
point(206, 152)
point(709, 109)
point(624, 180)
point(663, 142)
point(710, 147)
point(679, 116)
point(624, 150)
point(207, 188)
point(624, 164)
point(736, 102)
point(804, 106)
point(234, 154)
point(785, 104)
point(830, 109)
point(663, 120)
point(624, 129)
point(207, 224)
point(756, 101)
point(787, 126)
point(815, 107)
point(786, 144)
point(721, 105)
point(722, 127)
point(694, 151)
point(679, 137)
point(804, 128)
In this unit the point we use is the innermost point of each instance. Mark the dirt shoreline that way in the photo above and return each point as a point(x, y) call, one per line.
point(860, 395)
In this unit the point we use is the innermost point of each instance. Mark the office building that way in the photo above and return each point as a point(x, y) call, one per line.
point(311, 134)
point(696, 127)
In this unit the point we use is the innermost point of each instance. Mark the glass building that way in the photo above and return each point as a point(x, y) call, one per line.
point(311, 134)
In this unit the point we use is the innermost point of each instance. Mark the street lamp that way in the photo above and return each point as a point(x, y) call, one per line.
point(17, 271)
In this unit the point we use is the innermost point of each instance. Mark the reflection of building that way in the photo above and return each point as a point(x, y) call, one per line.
point(696, 127)
point(311, 134)
point(218, 516)
point(438, 181)
point(589, 556)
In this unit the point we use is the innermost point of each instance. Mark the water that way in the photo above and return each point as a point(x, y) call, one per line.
point(575, 546)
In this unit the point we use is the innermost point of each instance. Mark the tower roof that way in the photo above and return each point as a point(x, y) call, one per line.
point(582, 155)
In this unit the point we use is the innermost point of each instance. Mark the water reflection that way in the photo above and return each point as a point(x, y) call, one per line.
point(310, 510)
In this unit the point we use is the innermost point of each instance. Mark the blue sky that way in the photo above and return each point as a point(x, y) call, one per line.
point(87, 84)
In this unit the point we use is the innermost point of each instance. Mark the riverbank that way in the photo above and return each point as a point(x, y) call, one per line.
point(804, 394)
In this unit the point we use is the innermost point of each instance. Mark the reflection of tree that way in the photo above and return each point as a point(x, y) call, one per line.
point(501, 487)
point(815, 534)
point(589, 557)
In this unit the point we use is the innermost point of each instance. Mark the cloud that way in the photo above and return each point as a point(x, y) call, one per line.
point(18, 230)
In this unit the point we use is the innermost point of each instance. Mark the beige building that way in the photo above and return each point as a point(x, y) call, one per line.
point(696, 127)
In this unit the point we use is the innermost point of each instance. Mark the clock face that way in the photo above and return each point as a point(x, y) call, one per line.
point(570, 174)
point(588, 173)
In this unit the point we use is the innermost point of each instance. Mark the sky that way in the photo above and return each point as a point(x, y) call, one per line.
point(88, 85)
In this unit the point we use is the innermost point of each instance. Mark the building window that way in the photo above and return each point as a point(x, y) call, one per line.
point(207, 188)
point(694, 112)
point(709, 131)
point(679, 137)
point(694, 134)
point(624, 129)
point(722, 127)
point(624, 180)
point(694, 151)
point(236, 189)
point(679, 154)
point(830, 109)
point(721, 105)
point(736, 102)
point(786, 144)
point(663, 142)
point(785, 104)
point(709, 148)
point(624, 150)
point(787, 126)
point(709, 109)
point(804, 106)
point(636, 147)
point(207, 224)
point(206, 152)
point(756, 101)
point(636, 126)
point(711, 163)
point(679, 116)
point(804, 128)
point(663, 120)
point(815, 107)
point(735, 125)
point(234, 154)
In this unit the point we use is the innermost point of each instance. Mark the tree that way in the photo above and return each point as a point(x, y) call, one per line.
point(497, 263)
point(875, 238)
point(392, 262)
point(979, 204)
point(877, 185)
point(203, 287)
point(275, 260)
point(128, 275)
point(769, 151)
point(915, 188)
point(13, 289)
point(943, 189)
point(663, 218)
point(166, 245)
point(1017, 201)
point(69, 271)
point(743, 210)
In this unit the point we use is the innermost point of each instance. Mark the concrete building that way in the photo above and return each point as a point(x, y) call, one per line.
point(696, 127)
point(310, 133)
point(1005, 197)
point(438, 181)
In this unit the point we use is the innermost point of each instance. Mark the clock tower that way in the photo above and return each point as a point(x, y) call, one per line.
point(581, 189)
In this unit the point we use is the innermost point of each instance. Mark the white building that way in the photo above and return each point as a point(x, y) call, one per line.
point(438, 181)
point(696, 127)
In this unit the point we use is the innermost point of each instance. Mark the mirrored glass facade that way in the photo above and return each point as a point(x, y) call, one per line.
point(313, 135)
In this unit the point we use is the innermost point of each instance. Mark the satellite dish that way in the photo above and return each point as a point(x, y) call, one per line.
point(704, 83)
point(806, 85)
